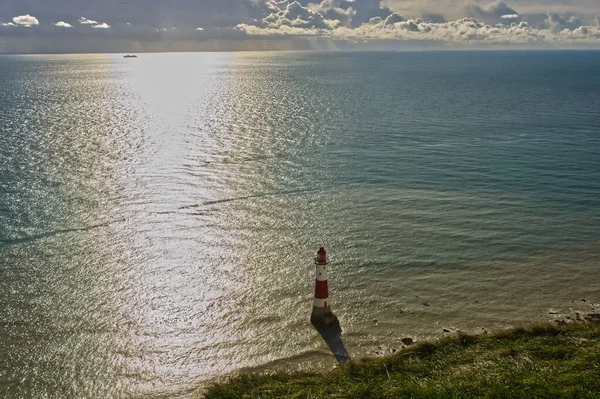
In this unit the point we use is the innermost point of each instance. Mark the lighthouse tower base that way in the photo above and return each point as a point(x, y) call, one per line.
point(323, 317)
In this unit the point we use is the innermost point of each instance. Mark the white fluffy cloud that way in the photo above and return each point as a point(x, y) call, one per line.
point(559, 29)
point(63, 24)
point(85, 21)
point(291, 14)
point(299, 15)
point(26, 20)
point(335, 10)
point(96, 24)
point(470, 30)
point(391, 19)
point(456, 9)
point(494, 23)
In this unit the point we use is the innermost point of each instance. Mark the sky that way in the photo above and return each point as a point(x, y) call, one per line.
point(76, 26)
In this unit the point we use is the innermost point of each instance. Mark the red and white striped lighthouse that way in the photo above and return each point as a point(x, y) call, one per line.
point(321, 313)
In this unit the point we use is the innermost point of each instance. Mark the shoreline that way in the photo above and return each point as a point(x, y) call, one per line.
point(528, 348)
point(375, 338)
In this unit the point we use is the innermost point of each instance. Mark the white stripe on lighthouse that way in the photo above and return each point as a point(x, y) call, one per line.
point(321, 272)
point(321, 303)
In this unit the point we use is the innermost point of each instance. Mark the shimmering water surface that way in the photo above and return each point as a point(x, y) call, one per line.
point(158, 215)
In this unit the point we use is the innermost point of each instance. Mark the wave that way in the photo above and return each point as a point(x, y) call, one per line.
point(22, 240)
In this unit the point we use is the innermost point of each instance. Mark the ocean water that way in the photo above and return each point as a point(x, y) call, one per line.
point(159, 215)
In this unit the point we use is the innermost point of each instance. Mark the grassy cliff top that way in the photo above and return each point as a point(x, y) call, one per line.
point(538, 362)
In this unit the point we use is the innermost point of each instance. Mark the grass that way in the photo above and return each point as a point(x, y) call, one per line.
point(544, 361)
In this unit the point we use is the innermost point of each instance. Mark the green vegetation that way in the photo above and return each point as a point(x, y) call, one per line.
point(538, 362)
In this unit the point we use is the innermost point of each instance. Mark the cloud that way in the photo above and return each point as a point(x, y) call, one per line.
point(26, 20)
point(393, 18)
point(597, 21)
point(85, 21)
point(299, 16)
point(7, 24)
point(456, 9)
point(350, 13)
point(335, 10)
point(494, 23)
point(286, 14)
point(367, 9)
point(461, 31)
point(96, 24)
point(471, 30)
point(200, 29)
point(63, 24)
point(557, 23)
point(433, 17)
point(495, 12)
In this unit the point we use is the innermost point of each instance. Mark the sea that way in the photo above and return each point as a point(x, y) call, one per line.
point(159, 216)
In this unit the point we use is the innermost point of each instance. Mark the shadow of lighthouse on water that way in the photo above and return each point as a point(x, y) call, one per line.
point(322, 318)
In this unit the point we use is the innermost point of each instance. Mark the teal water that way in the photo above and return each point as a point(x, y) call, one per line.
point(158, 215)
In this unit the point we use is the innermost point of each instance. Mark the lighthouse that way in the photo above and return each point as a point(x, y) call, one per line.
point(321, 313)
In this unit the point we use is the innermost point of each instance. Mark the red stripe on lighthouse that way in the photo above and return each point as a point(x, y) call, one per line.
point(321, 291)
